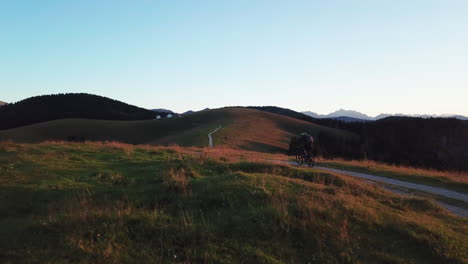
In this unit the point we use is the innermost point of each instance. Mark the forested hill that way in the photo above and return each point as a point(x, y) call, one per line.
point(439, 143)
point(50, 107)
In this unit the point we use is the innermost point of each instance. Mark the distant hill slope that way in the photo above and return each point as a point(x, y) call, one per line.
point(2, 103)
point(51, 107)
point(348, 119)
point(243, 128)
point(258, 130)
point(189, 112)
point(460, 117)
point(162, 110)
point(285, 112)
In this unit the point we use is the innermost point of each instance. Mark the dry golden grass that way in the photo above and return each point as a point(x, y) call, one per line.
point(178, 178)
point(233, 155)
point(255, 128)
point(229, 154)
point(84, 209)
point(220, 153)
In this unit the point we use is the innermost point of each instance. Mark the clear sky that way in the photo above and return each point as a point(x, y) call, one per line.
point(373, 56)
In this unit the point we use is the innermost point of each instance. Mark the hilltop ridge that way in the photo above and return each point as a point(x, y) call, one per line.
point(75, 105)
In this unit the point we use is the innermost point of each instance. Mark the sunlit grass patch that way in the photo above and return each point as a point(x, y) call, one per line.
point(94, 203)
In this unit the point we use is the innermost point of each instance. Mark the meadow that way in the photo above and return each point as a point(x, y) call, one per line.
point(242, 128)
point(110, 202)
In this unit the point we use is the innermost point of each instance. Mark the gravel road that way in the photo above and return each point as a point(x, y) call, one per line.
point(420, 187)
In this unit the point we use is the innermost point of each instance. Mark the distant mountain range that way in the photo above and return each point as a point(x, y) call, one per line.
point(355, 116)
point(167, 111)
point(162, 110)
point(189, 112)
point(2, 103)
point(340, 113)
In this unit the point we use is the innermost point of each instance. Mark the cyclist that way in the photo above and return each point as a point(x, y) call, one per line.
point(307, 142)
point(301, 146)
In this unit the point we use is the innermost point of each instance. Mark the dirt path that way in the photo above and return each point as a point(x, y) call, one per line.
point(402, 187)
point(455, 209)
point(210, 138)
point(414, 189)
point(414, 186)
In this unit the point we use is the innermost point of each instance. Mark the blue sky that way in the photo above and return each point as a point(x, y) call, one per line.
point(386, 56)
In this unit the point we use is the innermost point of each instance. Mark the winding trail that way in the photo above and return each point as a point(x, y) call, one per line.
point(410, 188)
point(210, 138)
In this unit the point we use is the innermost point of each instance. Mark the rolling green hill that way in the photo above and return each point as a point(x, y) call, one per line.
point(242, 128)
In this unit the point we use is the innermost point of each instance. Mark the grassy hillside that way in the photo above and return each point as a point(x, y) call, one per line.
point(83, 203)
point(261, 131)
point(242, 128)
point(134, 132)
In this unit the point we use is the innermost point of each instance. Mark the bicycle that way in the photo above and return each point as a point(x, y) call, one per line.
point(305, 157)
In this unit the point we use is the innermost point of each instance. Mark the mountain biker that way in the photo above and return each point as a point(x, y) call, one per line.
point(308, 142)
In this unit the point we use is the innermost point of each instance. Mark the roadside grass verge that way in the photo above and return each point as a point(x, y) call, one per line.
point(457, 181)
point(117, 203)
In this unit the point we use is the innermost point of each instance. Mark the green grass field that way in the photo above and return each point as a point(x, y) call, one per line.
point(116, 203)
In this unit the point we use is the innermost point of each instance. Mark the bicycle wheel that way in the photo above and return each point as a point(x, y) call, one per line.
point(299, 160)
point(311, 162)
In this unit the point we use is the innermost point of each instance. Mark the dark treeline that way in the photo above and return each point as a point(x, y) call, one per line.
point(437, 143)
point(50, 107)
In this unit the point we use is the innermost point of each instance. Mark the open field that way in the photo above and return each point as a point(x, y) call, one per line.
point(457, 181)
point(243, 128)
point(119, 203)
point(185, 131)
